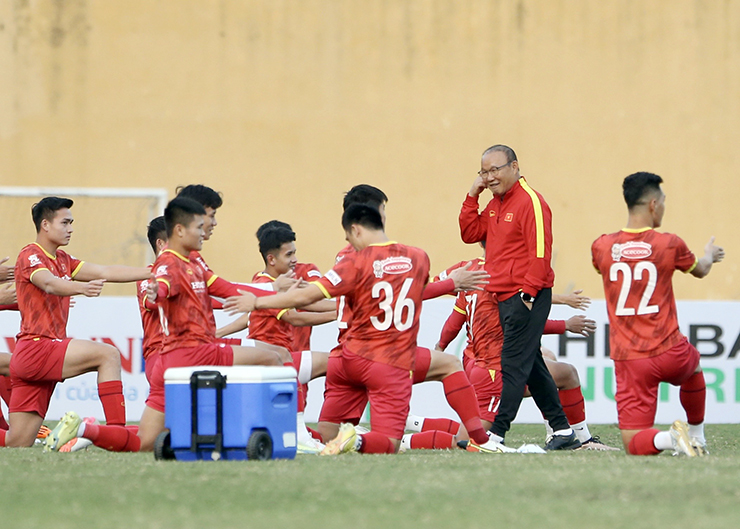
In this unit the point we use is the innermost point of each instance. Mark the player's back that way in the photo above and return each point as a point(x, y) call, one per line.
point(386, 302)
point(637, 269)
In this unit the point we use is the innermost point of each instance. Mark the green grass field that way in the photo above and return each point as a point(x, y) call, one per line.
point(97, 489)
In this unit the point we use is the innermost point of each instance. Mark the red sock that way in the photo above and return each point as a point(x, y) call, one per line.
point(113, 438)
point(3, 424)
point(376, 443)
point(2, 437)
point(693, 397)
point(114, 407)
point(5, 389)
point(432, 439)
point(445, 425)
point(642, 443)
point(461, 397)
point(573, 405)
point(301, 390)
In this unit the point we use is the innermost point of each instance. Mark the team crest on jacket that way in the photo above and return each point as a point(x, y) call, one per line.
point(392, 265)
point(631, 250)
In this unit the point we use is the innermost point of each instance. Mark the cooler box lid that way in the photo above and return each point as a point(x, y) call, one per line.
point(234, 374)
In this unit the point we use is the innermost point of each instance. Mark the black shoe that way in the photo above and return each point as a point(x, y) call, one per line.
point(462, 445)
point(563, 442)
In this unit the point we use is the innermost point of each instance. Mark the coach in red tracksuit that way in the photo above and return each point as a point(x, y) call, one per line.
point(517, 228)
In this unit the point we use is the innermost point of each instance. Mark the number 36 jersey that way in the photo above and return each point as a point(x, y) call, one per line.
point(637, 268)
point(383, 286)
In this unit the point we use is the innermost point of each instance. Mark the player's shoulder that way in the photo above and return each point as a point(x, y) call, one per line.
point(344, 252)
point(262, 277)
point(307, 271)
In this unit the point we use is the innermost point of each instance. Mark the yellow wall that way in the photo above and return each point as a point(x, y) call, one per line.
point(285, 104)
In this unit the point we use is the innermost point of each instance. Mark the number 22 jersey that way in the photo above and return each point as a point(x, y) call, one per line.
point(637, 268)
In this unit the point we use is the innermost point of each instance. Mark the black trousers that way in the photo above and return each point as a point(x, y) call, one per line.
point(522, 363)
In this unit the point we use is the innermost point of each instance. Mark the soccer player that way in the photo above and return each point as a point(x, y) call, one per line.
point(517, 227)
point(636, 265)
point(382, 282)
point(46, 277)
point(430, 365)
point(482, 356)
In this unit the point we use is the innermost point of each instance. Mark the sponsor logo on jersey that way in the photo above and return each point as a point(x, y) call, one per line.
point(314, 273)
point(333, 277)
point(161, 271)
point(143, 286)
point(631, 250)
point(198, 286)
point(33, 260)
point(392, 265)
point(202, 263)
point(509, 217)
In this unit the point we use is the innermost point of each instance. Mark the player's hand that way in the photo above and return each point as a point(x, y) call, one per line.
point(243, 303)
point(7, 273)
point(465, 279)
point(580, 325)
point(152, 289)
point(717, 252)
point(285, 281)
point(478, 186)
point(574, 300)
point(92, 289)
point(438, 347)
point(7, 294)
point(72, 301)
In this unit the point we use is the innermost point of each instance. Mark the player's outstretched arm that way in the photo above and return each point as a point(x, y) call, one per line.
point(51, 284)
point(112, 273)
point(712, 254)
point(7, 273)
point(466, 279)
point(239, 324)
point(580, 325)
point(295, 298)
point(309, 319)
point(573, 299)
point(7, 294)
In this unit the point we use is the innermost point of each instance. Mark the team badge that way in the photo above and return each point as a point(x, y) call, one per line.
point(509, 217)
point(631, 250)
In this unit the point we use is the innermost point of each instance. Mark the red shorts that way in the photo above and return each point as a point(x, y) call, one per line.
point(421, 364)
point(352, 380)
point(638, 380)
point(35, 368)
point(155, 375)
point(209, 354)
point(487, 384)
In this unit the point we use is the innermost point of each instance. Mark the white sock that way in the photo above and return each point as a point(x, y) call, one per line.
point(495, 438)
point(567, 431)
point(696, 431)
point(406, 441)
point(548, 429)
point(582, 431)
point(663, 441)
point(414, 423)
point(81, 429)
point(304, 436)
point(304, 370)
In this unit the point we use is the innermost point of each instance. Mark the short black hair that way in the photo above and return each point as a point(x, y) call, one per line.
point(157, 229)
point(272, 224)
point(272, 239)
point(362, 214)
point(181, 211)
point(364, 194)
point(637, 185)
point(204, 195)
point(508, 151)
point(47, 208)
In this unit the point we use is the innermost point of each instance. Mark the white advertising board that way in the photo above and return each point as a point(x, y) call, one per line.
point(714, 327)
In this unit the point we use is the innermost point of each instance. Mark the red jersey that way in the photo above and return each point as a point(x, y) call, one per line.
point(344, 313)
point(383, 286)
point(637, 269)
point(302, 335)
point(266, 325)
point(152, 340)
point(518, 229)
point(186, 314)
point(484, 332)
point(43, 315)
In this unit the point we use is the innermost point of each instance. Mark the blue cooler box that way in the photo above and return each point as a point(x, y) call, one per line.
point(258, 419)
